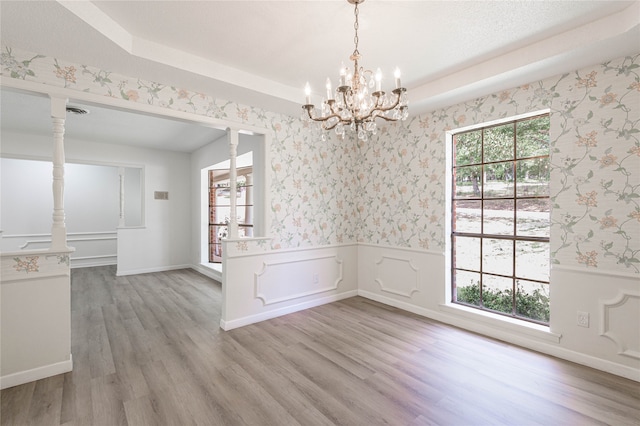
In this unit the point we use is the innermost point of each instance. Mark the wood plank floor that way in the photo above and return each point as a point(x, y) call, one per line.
point(147, 350)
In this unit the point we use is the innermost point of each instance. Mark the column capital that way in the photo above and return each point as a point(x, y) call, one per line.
point(233, 136)
point(58, 106)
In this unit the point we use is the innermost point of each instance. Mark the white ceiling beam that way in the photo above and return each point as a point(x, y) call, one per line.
point(99, 20)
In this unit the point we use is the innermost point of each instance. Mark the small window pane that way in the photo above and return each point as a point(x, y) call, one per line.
point(533, 177)
point(468, 148)
point(468, 182)
point(532, 260)
point(498, 217)
point(245, 231)
point(497, 293)
point(498, 180)
point(533, 218)
point(217, 233)
point(498, 143)
point(533, 137)
point(532, 300)
point(467, 287)
point(467, 253)
point(215, 253)
point(497, 256)
point(467, 216)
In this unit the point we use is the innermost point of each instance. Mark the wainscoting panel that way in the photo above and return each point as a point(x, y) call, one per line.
point(91, 248)
point(308, 276)
point(610, 343)
point(259, 284)
point(406, 275)
point(619, 321)
point(397, 275)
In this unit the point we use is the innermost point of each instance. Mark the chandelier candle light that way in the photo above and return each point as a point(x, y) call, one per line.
point(352, 104)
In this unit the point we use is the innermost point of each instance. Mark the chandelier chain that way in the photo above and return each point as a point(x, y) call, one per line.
point(355, 27)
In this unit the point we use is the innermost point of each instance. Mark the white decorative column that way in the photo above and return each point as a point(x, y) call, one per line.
point(232, 134)
point(58, 229)
point(121, 222)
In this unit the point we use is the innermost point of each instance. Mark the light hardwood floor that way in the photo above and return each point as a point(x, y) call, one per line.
point(147, 350)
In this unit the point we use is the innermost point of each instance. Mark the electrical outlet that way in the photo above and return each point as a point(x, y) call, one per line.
point(583, 319)
point(316, 279)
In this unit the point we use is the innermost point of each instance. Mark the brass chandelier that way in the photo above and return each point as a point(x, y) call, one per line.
point(358, 100)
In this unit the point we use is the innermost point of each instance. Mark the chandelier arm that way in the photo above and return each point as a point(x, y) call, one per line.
point(331, 127)
point(370, 115)
point(379, 100)
point(398, 93)
point(324, 119)
point(387, 118)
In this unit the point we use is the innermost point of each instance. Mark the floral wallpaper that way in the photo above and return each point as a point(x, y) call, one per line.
point(595, 176)
point(26, 264)
point(596, 166)
point(404, 198)
point(391, 189)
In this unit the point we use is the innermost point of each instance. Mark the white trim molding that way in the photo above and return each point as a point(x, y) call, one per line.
point(410, 275)
point(319, 282)
point(407, 249)
point(263, 316)
point(537, 340)
point(595, 271)
point(606, 308)
point(22, 377)
point(207, 271)
point(121, 273)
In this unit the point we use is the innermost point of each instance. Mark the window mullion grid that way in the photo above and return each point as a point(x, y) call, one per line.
point(514, 237)
point(454, 290)
point(515, 209)
point(482, 166)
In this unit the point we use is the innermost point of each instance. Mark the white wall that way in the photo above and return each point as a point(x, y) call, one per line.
point(26, 199)
point(164, 240)
point(133, 193)
point(92, 197)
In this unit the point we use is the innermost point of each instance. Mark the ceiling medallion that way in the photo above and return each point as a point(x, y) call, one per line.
point(358, 100)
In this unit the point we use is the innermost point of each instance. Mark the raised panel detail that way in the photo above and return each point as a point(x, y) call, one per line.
point(292, 279)
point(620, 317)
point(397, 276)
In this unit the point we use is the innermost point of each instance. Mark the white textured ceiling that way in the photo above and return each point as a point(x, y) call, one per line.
point(262, 52)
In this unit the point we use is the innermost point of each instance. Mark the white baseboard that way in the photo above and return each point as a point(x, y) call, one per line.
point(121, 273)
point(90, 263)
point(22, 377)
point(509, 336)
point(208, 272)
point(252, 319)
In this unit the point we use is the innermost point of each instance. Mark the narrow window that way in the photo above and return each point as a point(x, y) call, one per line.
point(220, 207)
point(501, 218)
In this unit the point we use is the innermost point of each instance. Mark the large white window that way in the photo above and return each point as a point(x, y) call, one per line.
point(500, 212)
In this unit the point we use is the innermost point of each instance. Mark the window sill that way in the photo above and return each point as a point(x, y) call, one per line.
point(521, 327)
point(212, 266)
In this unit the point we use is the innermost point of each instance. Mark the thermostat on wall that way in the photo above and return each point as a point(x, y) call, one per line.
point(161, 195)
